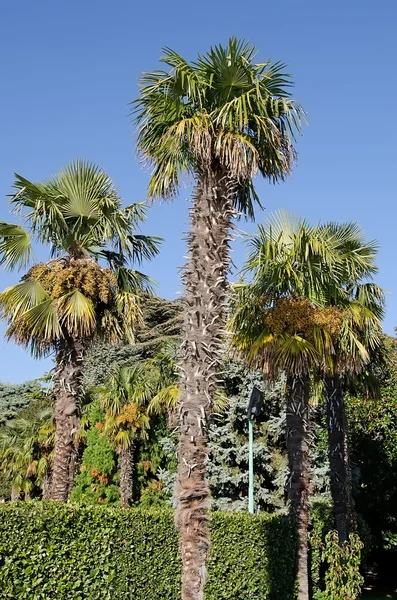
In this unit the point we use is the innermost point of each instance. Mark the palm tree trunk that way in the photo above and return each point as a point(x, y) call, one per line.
point(14, 495)
point(338, 457)
point(298, 441)
point(46, 486)
point(67, 389)
point(205, 281)
point(126, 475)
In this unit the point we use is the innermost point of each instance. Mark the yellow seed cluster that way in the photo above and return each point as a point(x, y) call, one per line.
point(297, 316)
point(59, 278)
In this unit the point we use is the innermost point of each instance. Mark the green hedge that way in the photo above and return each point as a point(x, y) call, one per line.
point(68, 552)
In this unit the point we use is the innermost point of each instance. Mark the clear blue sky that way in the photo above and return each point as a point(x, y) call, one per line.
point(68, 70)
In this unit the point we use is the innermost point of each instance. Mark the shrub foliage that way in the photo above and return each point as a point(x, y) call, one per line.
point(61, 552)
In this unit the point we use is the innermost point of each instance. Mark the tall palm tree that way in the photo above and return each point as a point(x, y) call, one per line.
point(62, 305)
point(295, 314)
point(220, 119)
point(359, 337)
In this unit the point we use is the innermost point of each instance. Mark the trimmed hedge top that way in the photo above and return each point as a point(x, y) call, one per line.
point(69, 552)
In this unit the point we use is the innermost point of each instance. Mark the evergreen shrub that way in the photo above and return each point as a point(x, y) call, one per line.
point(64, 552)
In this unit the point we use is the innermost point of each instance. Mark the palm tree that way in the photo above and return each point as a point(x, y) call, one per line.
point(26, 450)
point(62, 305)
point(126, 420)
point(293, 317)
point(359, 338)
point(220, 119)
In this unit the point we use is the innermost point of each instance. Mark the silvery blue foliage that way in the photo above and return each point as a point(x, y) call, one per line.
point(228, 446)
point(228, 464)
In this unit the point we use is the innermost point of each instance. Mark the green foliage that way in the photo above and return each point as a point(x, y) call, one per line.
point(373, 442)
point(26, 445)
point(343, 580)
point(97, 480)
point(252, 557)
point(156, 458)
point(13, 397)
point(61, 552)
point(161, 322)
point(322, 522)
point(327, 561)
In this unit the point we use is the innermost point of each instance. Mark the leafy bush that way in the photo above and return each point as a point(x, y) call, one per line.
point(61, 552)
point(334, 570)
point(98, 478)
point(342, 579)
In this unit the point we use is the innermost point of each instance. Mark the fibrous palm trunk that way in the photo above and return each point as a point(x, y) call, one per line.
point(15, 495)
point(67, 390)
point(205, 281)
point(298, 442)
point(338, 458)
point(126, 475)
point(46, 486)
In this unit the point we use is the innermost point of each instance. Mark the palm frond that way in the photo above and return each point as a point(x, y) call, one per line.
point(77, 314)
point(41, 323)
point(16, 300)
point(15, 246)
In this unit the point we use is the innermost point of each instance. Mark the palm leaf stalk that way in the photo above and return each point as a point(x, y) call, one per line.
point(295, 316)
point(61, 306)
point(221, 119)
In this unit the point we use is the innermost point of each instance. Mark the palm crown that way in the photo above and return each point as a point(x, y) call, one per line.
point(222, 108)
point(308, 303)
point(124, 400)
point(78, 214)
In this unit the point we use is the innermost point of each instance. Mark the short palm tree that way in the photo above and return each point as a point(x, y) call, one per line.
point(26, 451)
point(220, 119)
point(124, 398)
point(62, 305)
point(294, 316)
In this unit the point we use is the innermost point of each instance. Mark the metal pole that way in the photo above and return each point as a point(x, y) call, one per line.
point(251, 466)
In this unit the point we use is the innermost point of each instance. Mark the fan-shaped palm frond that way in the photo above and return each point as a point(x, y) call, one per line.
point(15, 246)
point(80, 211)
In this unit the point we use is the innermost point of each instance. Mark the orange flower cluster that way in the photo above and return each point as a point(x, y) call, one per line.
point(102, 478)
point(129, 417)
